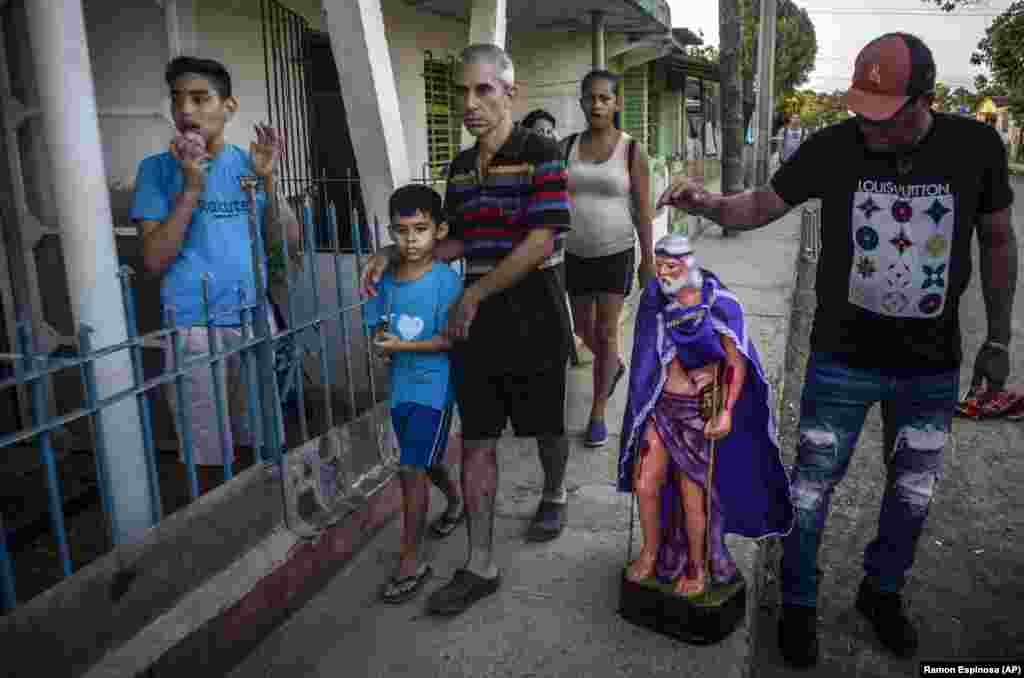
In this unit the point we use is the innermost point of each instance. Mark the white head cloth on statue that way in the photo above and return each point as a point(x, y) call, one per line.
point(678, 246)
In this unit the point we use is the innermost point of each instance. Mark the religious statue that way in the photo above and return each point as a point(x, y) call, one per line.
point(697, 395)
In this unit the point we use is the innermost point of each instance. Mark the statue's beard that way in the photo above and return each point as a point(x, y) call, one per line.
point(672, 286)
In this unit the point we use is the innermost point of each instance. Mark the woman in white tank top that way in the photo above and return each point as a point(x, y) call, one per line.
point(611, 208)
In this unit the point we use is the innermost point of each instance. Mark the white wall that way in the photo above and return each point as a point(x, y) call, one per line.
point(410, 34)
point(130, 49)
point(550, 66)
point(130, 91)
point(229, 31)
point(129, 72)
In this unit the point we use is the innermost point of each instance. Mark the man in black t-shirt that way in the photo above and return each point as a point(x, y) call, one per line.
point(902, 190)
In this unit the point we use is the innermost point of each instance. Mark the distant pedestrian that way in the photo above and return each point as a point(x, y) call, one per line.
point(541, 122)
point(793, 134)
point(902, 188)
point(407, 318)
point(609, 184)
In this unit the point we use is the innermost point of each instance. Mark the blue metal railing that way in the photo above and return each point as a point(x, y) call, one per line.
point(257, 350)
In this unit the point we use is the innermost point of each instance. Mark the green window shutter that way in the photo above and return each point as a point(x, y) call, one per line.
point(634, 111)
point(444, 120)
point(654, 95)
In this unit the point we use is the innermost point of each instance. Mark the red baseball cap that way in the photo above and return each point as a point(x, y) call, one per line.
point(890, 71)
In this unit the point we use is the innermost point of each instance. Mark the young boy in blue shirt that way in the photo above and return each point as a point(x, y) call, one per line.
point(406, 318)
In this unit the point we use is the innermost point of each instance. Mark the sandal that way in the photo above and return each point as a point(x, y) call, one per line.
point(399, 590)
point(981, 403)
point(970, 404)
point(548, 522)
point(1016, 411)
point(446, 524)
point(461, 592)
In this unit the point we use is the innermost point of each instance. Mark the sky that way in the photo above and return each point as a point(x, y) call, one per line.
point(844, 26)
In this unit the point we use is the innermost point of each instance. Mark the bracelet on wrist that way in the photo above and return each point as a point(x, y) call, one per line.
point(995, 344)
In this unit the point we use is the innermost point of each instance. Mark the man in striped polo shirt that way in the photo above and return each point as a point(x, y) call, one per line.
point(506, 204)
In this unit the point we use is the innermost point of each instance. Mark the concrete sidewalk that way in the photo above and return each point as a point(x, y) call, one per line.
point(556, 612)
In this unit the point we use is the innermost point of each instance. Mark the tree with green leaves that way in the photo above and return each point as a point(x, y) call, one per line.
point(796, 45)
point(988, 88)
point(950, 5)
point(961, 98)
point(708, 53)
point(943, 101)
point(1001, 51)
point(816, 109)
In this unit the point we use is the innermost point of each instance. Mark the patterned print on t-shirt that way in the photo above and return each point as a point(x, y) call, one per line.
point(901, 247)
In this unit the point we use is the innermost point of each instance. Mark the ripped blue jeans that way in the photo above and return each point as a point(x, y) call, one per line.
point(917, 414)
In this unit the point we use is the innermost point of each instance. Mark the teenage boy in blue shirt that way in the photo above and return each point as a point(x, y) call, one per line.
point(194, 220)
point(407, 317)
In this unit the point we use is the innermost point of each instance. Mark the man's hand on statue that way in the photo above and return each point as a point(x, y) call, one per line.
point(687, 195)
point(375, 267)
point(189, 150)
point(719, 427)
point(462, 315)
point(265, 151)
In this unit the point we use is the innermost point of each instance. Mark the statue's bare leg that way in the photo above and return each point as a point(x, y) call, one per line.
point(693, 578)
point(648, 477)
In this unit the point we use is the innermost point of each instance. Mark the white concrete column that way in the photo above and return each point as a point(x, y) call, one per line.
point(488, 22)
point(360, 46)
point(67, 95)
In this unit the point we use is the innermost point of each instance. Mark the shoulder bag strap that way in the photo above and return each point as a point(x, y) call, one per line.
point(569, 141)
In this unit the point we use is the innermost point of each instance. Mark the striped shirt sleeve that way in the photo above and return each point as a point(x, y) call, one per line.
point(548, 202)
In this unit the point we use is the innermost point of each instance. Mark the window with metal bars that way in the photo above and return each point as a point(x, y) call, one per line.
point(634, 103)
point(653, 110)
point(444, 120)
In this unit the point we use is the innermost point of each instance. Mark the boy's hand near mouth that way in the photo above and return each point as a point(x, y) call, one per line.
point(189, 149)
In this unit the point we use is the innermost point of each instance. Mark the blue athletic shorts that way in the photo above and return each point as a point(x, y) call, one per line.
point(422, 433)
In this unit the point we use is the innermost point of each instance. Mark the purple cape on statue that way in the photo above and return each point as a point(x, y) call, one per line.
point(749, 477)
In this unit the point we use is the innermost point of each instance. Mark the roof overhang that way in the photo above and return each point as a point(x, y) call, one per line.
point(632, 17)
point(690, 67)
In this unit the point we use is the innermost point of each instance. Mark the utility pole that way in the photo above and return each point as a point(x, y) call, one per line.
point(766, 91)
point(729, 17)
point(597, 39)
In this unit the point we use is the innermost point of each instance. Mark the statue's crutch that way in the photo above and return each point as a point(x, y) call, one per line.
point(716, 407)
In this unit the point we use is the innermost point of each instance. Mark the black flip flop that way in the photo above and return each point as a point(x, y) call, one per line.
point(405, 594)
point(445, 525)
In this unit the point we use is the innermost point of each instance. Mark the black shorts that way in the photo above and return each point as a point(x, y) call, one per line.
point(611, 274)
point(535, 403)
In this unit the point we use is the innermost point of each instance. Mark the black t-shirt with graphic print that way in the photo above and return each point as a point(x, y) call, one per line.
point(896, 239)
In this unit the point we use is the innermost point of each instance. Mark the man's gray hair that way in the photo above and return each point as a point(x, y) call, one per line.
point(486, 53)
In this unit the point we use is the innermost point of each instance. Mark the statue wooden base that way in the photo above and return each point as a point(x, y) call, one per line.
point(701, 620)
